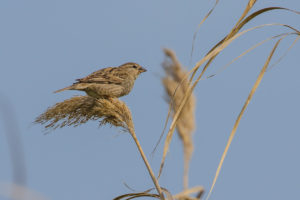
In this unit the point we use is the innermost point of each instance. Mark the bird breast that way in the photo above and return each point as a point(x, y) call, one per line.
point(127, 85)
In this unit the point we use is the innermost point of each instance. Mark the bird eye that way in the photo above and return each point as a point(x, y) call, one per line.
point(134, 66)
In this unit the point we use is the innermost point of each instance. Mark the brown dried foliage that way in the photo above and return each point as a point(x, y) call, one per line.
point(78, 110)
point(175, 79)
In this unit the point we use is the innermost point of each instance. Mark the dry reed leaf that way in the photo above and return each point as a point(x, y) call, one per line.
point(136, 195)
point(209, 57)
point(145, 194)
point(256, 84)
point(233, 31)
point(186, 122)
point(80, 109)
point(223, 44)
point(185, 195)
point(285, 53)
point(198, 28)
point(254, 47)
point(249, 18)
point(239, 25)
point(190, 89)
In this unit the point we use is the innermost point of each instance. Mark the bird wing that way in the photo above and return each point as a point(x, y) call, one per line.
point(109, 75)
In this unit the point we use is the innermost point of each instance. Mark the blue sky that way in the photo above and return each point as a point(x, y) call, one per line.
point(46, 45)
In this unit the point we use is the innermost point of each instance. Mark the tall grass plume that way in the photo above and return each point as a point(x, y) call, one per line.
point(175, 80)
point(80, 109)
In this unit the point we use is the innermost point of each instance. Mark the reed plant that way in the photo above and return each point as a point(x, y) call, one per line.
point(179, 84)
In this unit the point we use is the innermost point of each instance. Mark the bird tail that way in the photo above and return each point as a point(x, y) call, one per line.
point(63, 89)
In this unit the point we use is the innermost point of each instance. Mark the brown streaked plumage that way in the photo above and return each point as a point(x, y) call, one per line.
point(108, 82)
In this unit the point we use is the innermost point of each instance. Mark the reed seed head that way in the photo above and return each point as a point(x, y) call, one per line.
point(80, 109)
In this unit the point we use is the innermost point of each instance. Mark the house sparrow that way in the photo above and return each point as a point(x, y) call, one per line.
point(108, 82)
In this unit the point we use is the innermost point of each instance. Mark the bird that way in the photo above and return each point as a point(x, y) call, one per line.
point(110, 82)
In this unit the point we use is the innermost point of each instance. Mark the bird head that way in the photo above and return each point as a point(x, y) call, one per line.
point(133, 67)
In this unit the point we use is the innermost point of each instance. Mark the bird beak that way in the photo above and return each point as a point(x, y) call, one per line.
point(142, 70)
